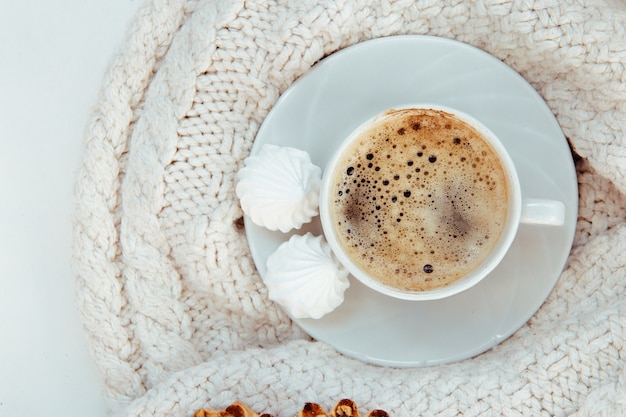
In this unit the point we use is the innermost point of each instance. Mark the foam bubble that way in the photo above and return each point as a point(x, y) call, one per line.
point(420, 199)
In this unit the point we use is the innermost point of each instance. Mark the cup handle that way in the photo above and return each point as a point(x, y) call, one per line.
point(542, 212)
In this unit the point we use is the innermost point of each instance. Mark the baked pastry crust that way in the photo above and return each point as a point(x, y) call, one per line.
point(311, 410)
point(236, 409)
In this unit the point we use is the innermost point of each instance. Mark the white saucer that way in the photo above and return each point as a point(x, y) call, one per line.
point(345, 89)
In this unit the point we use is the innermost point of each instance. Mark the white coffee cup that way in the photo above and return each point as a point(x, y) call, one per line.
point(521, 209)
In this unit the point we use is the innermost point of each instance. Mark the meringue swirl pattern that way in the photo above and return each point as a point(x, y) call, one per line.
point(279, 188)
point(305, 278)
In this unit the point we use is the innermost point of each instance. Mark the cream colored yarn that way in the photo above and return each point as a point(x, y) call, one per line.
point(176, 314)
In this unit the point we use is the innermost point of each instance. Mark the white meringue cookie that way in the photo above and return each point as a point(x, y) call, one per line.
point(279, 188)
point(305, 278)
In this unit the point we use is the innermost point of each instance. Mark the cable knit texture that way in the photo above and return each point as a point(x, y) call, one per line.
point(176, 314)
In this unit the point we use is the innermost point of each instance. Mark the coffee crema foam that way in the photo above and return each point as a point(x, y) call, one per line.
point(420, 199)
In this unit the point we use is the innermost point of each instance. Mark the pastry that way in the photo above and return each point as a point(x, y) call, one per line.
point(311, 410)
point(236, 409)
point(348, 408)
point(344, 408)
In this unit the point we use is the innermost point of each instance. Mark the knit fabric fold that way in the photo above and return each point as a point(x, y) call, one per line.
point(176, 314)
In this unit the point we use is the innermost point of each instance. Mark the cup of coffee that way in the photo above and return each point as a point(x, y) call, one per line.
point(423, 202)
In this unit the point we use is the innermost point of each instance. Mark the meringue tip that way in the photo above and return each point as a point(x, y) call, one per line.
point(279, 187)
point(305, 278)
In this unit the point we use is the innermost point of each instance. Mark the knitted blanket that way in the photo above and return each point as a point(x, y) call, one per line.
point(175, 312)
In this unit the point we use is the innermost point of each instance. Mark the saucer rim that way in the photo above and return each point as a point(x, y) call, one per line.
point(566, 166)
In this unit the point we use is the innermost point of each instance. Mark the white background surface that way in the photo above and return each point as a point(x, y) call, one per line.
point(53, 55)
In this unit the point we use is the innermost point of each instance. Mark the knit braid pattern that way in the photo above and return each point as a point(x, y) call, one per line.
point(177, 316)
